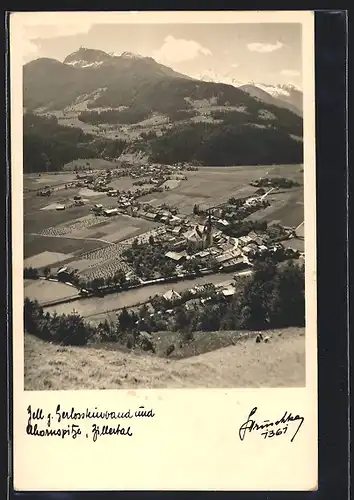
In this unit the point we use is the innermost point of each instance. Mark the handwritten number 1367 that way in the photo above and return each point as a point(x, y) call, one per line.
point(272, 433)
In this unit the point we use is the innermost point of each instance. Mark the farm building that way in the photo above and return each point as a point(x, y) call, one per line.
point(97, 208)
point(150, 216)
point(60, 207)
point(229, 291)
point(245, 240)
point(222, 223)
point(175, 221)
point(235, 264)
point(177, 230)
point(63, 273)
point(228, 255)
point(171, 295)
point(176, 257)
point(108, 212)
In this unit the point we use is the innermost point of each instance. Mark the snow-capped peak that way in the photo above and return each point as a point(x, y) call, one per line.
point(84, 64)
point(131, 55)
point(211, 76)
point(85, 58)
point(278, 90)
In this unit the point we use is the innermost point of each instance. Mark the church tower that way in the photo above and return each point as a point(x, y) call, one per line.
point(207, 232)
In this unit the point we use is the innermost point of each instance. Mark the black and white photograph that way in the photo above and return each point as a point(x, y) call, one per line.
point(163, 206)
point(164, 251)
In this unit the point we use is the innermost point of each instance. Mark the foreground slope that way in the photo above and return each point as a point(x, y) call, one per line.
point(279, 363)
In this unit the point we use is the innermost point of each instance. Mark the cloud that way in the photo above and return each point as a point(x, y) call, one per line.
point(235, 65)
point(178, 49)
point(29, 50)
point(290, 72)
point(56, 30)
point(264, 47)
point(34, 34)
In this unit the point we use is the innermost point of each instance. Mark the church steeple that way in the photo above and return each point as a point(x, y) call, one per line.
point(208, 236)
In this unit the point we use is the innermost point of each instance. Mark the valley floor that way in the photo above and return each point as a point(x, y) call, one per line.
point(246, 364)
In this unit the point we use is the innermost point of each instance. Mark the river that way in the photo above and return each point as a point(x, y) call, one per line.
point(94, 306)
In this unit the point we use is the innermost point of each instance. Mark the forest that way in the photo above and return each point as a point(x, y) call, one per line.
point(48, 146)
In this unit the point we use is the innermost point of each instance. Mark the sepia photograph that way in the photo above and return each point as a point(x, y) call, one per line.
point(164, 251)
point(163, 206)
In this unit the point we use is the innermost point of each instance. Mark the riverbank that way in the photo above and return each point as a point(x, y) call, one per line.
point(97, 308)
point(279, 363)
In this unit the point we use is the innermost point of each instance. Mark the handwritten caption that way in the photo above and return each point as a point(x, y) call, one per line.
point(272, 428)
point(86, 424)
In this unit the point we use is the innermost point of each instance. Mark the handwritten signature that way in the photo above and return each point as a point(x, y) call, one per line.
point(270, 428)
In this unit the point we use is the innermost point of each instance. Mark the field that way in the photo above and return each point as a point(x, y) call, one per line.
point(37, 244)
point(90, 163)
point(43, 290)
point(280, 363)
point(287, 208)
point(34, 181)
point(210, 186)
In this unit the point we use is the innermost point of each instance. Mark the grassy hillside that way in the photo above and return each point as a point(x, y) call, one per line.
point(279, 363)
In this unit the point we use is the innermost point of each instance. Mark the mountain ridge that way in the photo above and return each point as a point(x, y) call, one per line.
point(169, 116)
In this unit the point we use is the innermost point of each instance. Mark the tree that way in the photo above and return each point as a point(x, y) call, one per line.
point(288, 299)
point(181, 319)
point(32, 313)
point(72, 330)
point(257, 295)
point(46, 271)
point(151, 240)
point(196, 209)
point(30, 273)
point(125, 321)
point(119, 277)
point(97, 283)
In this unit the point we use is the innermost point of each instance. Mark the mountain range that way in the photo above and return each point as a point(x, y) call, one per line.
point(284, 95)
point(208, 122)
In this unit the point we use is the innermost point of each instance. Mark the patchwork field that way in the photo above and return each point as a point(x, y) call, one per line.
point(36, 244)
point(43, 290)
point(287, 208)
point(34, 181)
point(116, 229)
point(210, 186)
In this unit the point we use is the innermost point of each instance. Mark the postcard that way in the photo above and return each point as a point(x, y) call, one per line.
point(164, 251)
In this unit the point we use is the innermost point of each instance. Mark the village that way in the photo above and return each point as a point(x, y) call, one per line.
point(209, 241)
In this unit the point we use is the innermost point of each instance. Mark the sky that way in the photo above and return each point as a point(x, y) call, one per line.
point(269, 53)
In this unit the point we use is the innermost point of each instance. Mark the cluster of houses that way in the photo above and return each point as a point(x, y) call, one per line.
point(226, 289)
point(276, 182)
point(215, 249)
point(223, 215)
